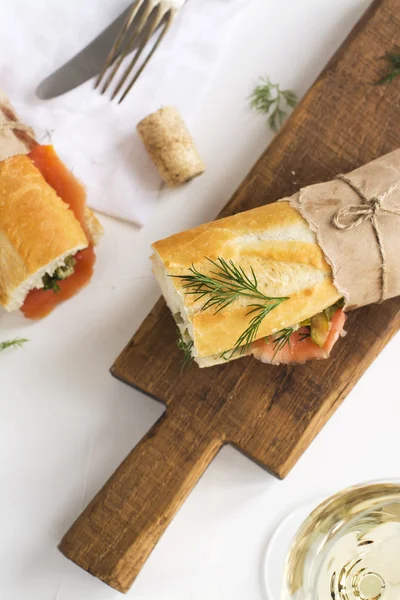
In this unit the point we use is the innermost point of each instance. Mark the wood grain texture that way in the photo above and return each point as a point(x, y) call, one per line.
point(271, 414)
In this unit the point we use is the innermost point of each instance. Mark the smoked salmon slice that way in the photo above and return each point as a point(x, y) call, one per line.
point(301, 348)
point(39, 303)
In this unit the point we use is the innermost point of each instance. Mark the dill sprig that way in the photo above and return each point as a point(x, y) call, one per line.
point(17, 343)
point(224, 284)
point(260, 311)
point(268, 98)
point(51, 283)
point(394, 64)
point(186, 348)
point(305, 335)
point(282, 338)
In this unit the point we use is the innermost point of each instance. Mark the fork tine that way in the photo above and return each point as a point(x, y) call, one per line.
point(139, 72)
point(114, 50)
point(159, 15)
point(138, 30)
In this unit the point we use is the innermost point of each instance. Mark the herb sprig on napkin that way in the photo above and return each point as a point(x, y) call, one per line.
point(17, 343)
point(267, 98)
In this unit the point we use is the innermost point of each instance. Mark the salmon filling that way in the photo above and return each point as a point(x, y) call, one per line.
point(302, 344)
point(78, 269)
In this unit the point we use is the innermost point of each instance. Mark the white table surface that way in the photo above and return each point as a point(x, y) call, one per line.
point(66, 424)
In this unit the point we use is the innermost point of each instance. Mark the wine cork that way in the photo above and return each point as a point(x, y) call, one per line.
point(170, 146)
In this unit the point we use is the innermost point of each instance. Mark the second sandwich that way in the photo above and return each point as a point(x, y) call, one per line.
point(47, 234)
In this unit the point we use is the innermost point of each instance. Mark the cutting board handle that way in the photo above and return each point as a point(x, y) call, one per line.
point(116, 532)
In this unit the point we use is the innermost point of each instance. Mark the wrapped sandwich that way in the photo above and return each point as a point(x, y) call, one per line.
point(47, 233)
point(275, 281)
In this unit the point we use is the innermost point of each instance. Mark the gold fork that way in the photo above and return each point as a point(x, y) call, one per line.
point(144, 18)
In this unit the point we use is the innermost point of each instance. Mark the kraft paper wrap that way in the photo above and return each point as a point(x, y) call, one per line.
point(15, 137)
point(359, 232)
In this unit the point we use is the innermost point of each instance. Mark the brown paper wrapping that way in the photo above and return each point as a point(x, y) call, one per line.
point(15, 137)
point(362, 270)
point(170, 146)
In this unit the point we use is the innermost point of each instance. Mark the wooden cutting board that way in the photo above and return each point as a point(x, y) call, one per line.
point(271, 414)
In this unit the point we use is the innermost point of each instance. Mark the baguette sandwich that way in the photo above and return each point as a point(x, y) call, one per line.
point(47, 233)
point(275, 281)
point(253, 283)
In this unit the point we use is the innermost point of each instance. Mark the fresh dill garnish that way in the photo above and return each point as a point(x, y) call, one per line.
point(17, 343)
point(305, 335)
point(268, 98)
point(186, 348)
point(394, 63)
point(282, 338)
point(260, 311)
point(225, 283)
point(51, 283)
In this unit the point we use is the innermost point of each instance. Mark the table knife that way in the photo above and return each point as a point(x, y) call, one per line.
point(84, 65)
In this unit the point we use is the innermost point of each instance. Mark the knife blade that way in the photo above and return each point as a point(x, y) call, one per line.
point(84, 65)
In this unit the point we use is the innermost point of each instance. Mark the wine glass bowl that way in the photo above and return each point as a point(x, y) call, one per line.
point(348, 548)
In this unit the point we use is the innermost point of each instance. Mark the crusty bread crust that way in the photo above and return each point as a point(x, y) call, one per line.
point(37, 229)
point(93, 226)
point(277, 243)
point(21, 141)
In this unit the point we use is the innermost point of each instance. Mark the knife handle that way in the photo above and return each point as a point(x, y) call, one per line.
point(117, 531)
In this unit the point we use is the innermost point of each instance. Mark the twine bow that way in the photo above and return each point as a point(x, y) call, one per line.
point(350, 217)
point(14, 125)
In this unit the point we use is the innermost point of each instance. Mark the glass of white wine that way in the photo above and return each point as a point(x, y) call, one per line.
point(348, 548)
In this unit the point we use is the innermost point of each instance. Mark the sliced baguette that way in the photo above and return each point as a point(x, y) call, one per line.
point(21, 140)
point(37, 230)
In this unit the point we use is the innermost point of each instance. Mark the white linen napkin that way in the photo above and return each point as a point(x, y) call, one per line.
point(97, 138)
